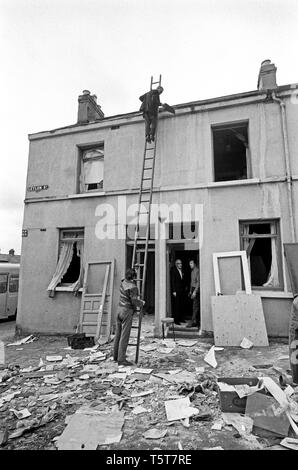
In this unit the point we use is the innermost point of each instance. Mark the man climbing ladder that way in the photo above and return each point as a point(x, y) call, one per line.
point(150, 107)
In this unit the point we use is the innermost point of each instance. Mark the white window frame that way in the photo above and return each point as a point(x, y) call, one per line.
point(231, 254)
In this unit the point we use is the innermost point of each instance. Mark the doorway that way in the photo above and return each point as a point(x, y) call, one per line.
point(174, 252)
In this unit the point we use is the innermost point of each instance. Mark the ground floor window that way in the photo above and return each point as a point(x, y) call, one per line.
point(69, 269)
point(261, 241)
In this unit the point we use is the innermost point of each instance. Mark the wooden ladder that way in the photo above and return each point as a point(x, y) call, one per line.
point(141, 243)
point(96, 308)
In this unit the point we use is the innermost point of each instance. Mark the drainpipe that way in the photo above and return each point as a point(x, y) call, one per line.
point(287, 161)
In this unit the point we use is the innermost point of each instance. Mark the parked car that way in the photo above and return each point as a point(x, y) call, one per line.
point(9, 288)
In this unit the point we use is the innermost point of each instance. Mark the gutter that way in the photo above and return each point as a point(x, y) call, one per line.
point(287, 162)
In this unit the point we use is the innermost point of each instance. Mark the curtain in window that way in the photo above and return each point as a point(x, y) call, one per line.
point(273, 280)
point(64, 261)
point(93, 171)
point(78, 284)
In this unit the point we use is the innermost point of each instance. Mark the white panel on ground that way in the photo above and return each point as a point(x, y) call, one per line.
point(238, 316)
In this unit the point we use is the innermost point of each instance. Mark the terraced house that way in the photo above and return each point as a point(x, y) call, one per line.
point(232, 157)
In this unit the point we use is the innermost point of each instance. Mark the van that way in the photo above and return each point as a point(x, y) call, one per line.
point(9, 288)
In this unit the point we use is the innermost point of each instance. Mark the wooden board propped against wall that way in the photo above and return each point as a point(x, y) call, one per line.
point(236, 317)
point(97, 300)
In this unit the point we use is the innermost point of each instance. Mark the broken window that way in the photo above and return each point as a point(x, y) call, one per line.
point(92, 167)
point(261, 241)
point(231, 152)
point(69, 269)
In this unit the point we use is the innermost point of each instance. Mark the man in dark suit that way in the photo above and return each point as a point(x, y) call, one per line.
point(149, 107)
point(177, 291)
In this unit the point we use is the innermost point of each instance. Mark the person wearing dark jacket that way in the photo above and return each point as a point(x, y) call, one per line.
point(129, 301)
point(149, 107)
point(178, 291)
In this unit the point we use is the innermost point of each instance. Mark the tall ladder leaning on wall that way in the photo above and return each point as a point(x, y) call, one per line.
point(140, 248)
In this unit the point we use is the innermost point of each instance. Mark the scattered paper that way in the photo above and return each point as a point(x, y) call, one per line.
point(148, 347)
point(186, 343)
point(140, 409)
point(179, 409)
point(142, 394)
point(21, 414)
point(8, 397)
point(180, 446)
point(290, 443)
point(173, 372)
point(245, 390)
point(142, 371)
point(243, 424)
point(84, 377)
point(88, 428)
point(217, 348)
point(200, 370)
point(155, 433)
point(118, 375)
point(28, 339)
point(165, 350)
point(217, 426)
point(54, 358)
point(223, 387)
point(213, 448)
point(210, 357)
point(246, 343)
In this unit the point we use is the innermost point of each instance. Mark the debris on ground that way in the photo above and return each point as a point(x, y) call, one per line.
point(88, 428)
point(50, 397)
point(28, 339)
point(246, 344)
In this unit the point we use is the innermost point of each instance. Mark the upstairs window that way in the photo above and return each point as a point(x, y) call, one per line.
point(261, 241)
point(231, 152)
point(92, 167)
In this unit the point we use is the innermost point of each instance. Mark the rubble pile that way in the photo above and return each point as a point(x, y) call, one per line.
point(82, 399)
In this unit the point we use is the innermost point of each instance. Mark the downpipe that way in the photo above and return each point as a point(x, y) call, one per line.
point(287, 162)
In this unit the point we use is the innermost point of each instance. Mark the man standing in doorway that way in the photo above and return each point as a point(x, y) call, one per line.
point(194, 294)
point(129, 301)
point(177, 291)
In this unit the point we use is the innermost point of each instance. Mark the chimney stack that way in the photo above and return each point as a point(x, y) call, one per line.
point(267, 76)
point(88, 109)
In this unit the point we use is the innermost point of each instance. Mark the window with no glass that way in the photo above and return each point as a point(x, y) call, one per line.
point(69, 270)
point(231, 152)
point(261, 241)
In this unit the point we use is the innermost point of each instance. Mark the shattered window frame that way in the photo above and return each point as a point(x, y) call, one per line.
point(85, 158)
point(234, 129)
point(69, 235)
point(274, 235)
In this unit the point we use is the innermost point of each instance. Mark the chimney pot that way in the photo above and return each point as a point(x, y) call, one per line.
point(267, 76)
point(88, 109)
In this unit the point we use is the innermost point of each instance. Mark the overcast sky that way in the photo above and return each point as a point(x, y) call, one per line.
point(51, 50)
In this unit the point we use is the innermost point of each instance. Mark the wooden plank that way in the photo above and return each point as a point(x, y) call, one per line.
point(236, 317)
point(103, 298)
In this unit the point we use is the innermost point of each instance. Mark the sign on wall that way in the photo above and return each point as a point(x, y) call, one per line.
point(38, 188)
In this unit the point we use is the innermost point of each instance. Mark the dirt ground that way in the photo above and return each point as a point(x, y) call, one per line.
point(51, 391)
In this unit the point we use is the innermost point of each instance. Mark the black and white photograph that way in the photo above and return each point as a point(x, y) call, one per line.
point(149, 228)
